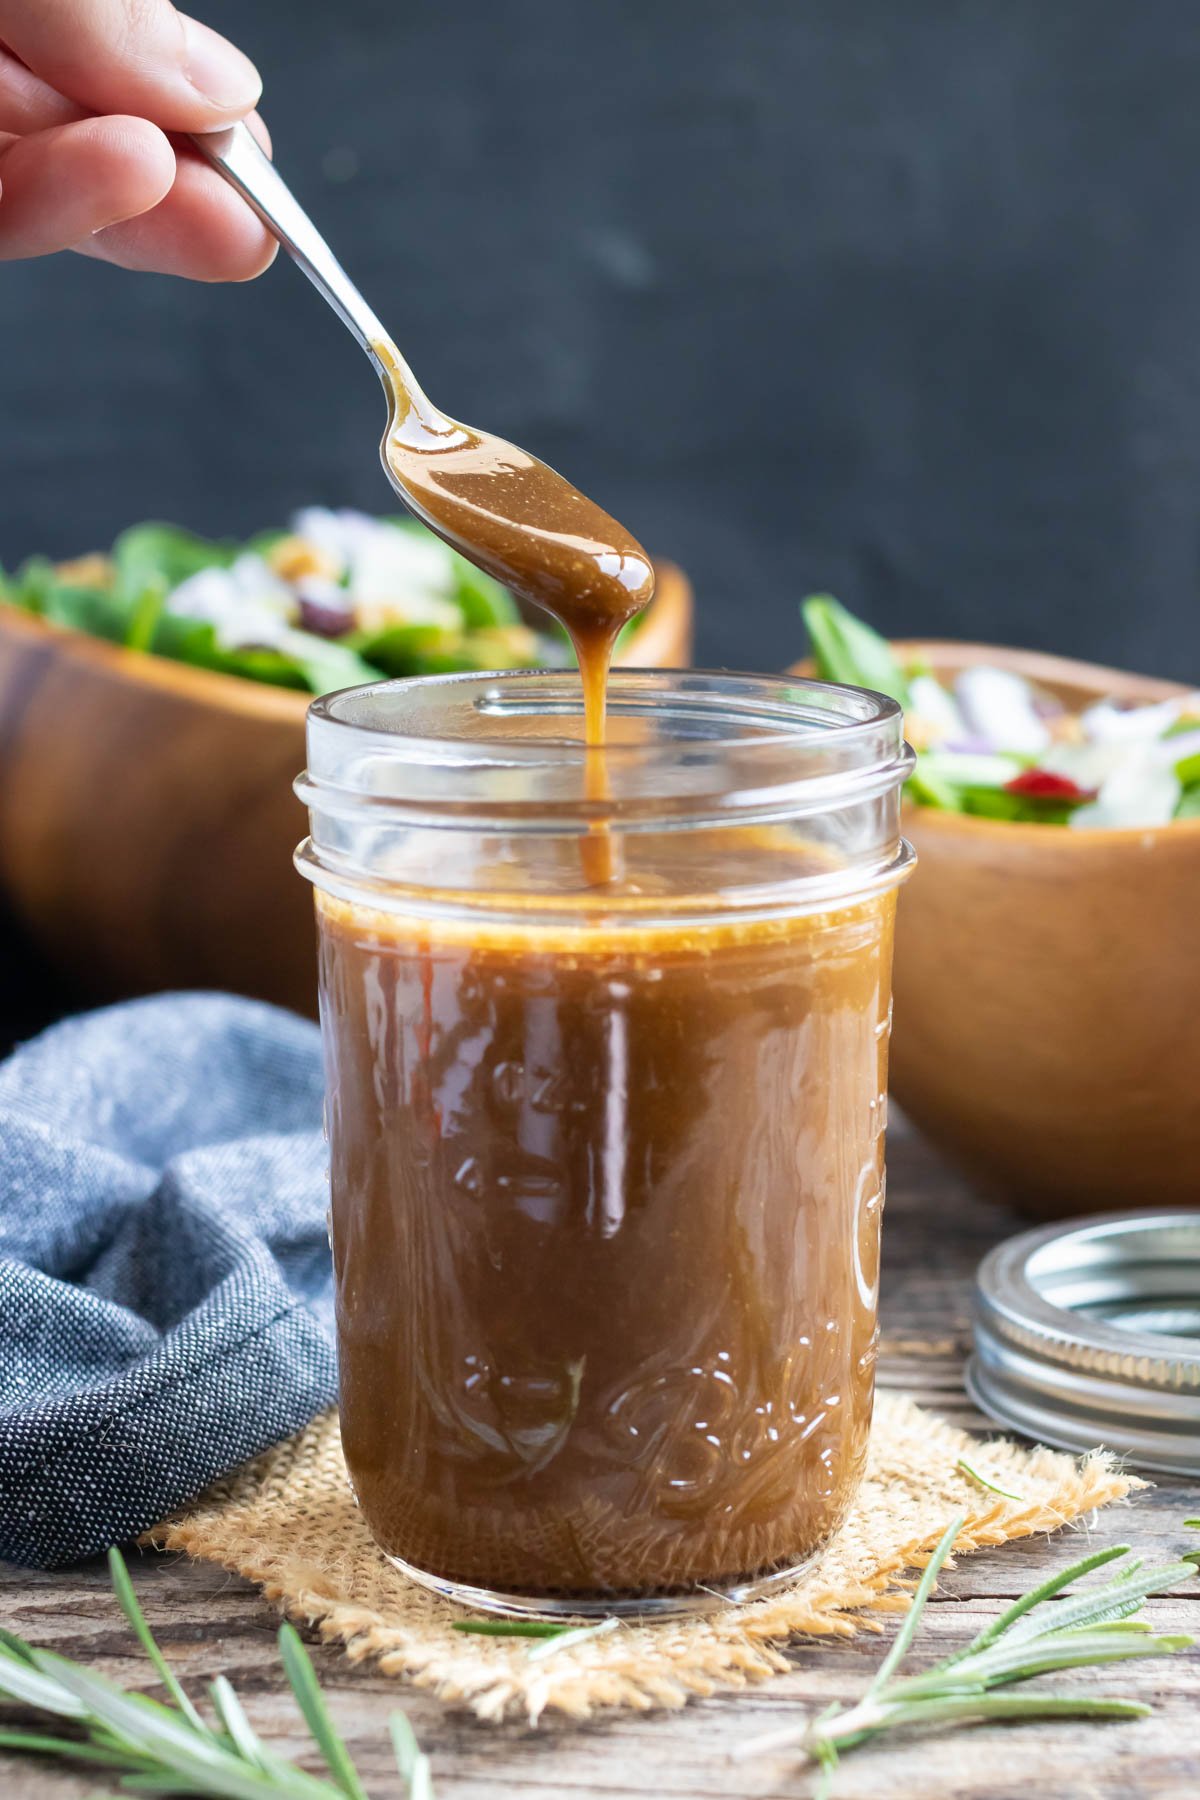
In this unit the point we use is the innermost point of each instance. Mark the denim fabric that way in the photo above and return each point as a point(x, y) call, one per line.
point(165, 1282)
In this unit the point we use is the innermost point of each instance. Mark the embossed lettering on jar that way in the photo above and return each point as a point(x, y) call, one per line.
point(607, 1167)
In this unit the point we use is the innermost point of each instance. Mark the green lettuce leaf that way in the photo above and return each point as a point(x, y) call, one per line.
point(848, 651)
point(31, 584)
point(152, 559)
point(928, 788)
point(401, 650)
point(405, 650)
point(1020, 809)
point(321, 668)
point(481, 600)
point(97, 611)
point(157, 555)
point(327, 664)
point(953, 782)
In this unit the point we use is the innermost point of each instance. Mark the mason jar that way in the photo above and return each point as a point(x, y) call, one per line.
point(606, 1040)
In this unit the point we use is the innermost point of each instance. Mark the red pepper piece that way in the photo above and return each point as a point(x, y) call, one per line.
point(1044, 784)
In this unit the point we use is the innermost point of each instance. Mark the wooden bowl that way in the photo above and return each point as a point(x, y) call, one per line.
point(1047, 987)
point(147, 820)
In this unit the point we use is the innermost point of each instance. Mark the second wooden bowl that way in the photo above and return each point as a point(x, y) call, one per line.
point(1047, 988)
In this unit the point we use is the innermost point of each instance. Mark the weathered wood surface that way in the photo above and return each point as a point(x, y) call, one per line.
point(936, 1231)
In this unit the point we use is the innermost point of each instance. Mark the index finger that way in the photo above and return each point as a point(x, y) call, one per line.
point(133, 56)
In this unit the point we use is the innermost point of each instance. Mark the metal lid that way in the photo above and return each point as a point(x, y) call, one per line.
point(1089, 1334)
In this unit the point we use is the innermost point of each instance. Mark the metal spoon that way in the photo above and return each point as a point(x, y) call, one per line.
point(237, 154)
point(503, 508)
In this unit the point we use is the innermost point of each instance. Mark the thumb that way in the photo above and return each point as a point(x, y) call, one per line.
point(133, 56)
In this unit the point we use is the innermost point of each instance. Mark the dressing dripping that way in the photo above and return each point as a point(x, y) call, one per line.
point(522, 523)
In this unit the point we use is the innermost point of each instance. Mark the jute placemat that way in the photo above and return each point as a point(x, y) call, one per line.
point(288, 1521)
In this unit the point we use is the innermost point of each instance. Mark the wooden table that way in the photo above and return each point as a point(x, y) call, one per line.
point(936, 1232)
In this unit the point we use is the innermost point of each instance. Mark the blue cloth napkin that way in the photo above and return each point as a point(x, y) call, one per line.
point(165, 1281)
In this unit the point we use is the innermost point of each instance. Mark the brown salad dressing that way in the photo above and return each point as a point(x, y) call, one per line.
point(521, 522)
point(606, 1213)
point(605, 1196)
point(518, 520)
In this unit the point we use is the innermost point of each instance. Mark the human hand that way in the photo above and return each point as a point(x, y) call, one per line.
point(89, 91)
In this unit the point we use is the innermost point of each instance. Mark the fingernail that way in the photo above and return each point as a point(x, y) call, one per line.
point(218, 70)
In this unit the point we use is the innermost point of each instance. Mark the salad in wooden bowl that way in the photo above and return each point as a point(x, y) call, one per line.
point(152, 703)
point(1047, 983)
point(337, 599)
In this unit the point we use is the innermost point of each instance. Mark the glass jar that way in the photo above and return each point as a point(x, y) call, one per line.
point(607, 1156)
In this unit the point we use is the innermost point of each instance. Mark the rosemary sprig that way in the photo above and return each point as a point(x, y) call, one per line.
point(168, 1749)
point(157, 1748)
point(984, 1481)
point(1097, 1625)
point(554, 1637)
point(525, 1628)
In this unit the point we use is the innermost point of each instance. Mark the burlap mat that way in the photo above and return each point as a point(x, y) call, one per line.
point(288, 1521)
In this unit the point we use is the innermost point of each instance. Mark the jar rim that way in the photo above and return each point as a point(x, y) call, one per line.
point(681, 743)
point(810, 704)
point(696, 752)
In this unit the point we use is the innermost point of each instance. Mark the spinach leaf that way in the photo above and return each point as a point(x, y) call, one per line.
point(400, 650)
point(145, 613)
point(1020, 809)
point(848, 651)
point(405, 650)
point(269, 666)
point(164, 555)
point(32, 583)
point(98, 611)
point(195, 641)
point(928, 788)
point(310, 663)
point(481, 600)
point(628, 630)
point(326, 665)
point(968, 784)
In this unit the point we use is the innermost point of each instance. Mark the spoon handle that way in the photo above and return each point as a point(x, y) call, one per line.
point(235, 152)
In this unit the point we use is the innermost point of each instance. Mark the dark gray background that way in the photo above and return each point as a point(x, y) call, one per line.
point(901, 301)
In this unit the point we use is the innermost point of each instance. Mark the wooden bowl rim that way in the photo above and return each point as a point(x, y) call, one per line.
point(1067, 671)
point(223, 693)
